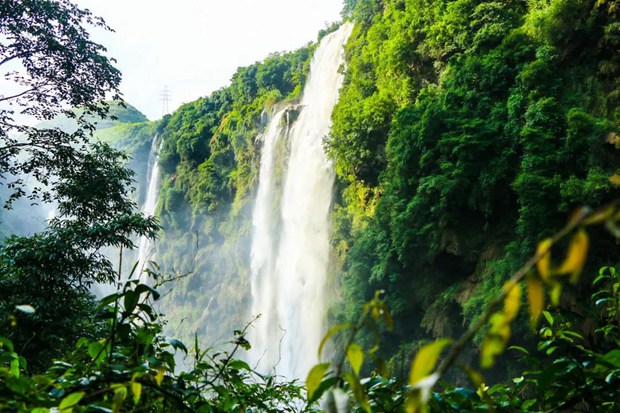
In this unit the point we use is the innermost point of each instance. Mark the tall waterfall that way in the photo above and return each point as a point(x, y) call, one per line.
point(290, 252)
point(148, 208)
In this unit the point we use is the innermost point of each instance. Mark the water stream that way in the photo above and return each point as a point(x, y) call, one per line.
point(290, 252)
point(145, 245)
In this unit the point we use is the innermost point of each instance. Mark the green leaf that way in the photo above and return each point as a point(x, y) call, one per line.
point(141, 288)
point(330, 333)
point(355, 355)
point(15, 372)
point(239, 365)
point(426, 359)
point(107, 300)
point(67, 404)
point(176, 344)
point(315, 376)
point(120, 392)
point(7, 344)
point(130, 301)
point(358, 391)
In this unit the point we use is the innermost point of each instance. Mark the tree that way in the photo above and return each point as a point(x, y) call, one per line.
point(52, 67)
point(49, 66)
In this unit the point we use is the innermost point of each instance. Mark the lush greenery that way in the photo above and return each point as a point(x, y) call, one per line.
point(466, 131)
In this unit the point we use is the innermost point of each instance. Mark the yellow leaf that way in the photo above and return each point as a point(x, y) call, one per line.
point(315, 377)
point(536, 298)
point(475, 376)
point(544, 262)
point(556, 292)
point(426, 359)
point(615, 180)
point(355, 355)
point(500, 326)
point(492, 346)
point(576, 256)
point(136, 389)
point(512, 302)
point(159, 378)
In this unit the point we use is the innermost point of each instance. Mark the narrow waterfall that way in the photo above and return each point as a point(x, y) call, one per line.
point(148, 208)
point(290, 253)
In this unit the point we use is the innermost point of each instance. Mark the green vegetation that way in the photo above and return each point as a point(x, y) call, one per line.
point(466, 131)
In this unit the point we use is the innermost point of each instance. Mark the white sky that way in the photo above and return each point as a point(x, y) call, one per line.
point(194, 46)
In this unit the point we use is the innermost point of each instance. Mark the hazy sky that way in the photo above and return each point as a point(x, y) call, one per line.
point(194, 46)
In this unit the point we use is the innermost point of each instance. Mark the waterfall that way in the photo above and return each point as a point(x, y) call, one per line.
point(150, 203)
point(290, 253)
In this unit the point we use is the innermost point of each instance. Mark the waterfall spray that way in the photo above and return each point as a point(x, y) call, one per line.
point(290, 260)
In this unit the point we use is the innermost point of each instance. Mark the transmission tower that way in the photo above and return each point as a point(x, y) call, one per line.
point(165, 101)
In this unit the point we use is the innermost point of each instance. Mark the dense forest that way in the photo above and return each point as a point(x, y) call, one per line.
point(468, 139)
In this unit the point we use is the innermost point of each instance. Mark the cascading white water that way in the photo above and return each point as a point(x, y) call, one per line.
point(289, 267)
point(150, 203)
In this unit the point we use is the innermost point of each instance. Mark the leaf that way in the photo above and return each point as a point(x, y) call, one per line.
point(105, 301)
point(358, 391)
point(420, 394)
point(315, 376)
point(548, 317)
point(536, 298)
point(176, 344)
point(475, 376)
point(136, 391)
point(556, 292)
point(159, 377)
point(68, 403)
point(120, 392)
point(144, 287)
point(15, 372)
point(492, 346)
point(239, 365)
point(7, 344)
point(326, 385)
point(576, 256)
point(25, 308)
point(512, 302)
point(330, 333)
point(426, 359)
point(130, 301)
point(544, 262)
point(500, 325)
point(355, 355)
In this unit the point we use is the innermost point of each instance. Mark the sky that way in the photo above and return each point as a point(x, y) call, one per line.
point(193, 47)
